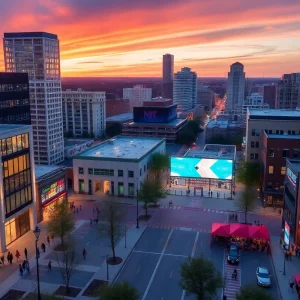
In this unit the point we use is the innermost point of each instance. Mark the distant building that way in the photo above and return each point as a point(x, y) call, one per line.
point(254, 99)
point(270, 95)
point(168, 76)
point(84, 113)
point(14, 98)
point(273, 121)
point(115, 107)
point(205, 96)
point(288, 92)
point(185, 89)
point(122, 118)
point(235, 87)
point(137, 95)
point(274, 151)
point(158, 101)
point(75, 146)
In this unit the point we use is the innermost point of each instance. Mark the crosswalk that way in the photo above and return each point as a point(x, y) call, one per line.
point(193, 208)
point(178, 228)
point(232, 286)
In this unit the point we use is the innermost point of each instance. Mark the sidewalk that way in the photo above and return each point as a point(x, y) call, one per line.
point(291, 268)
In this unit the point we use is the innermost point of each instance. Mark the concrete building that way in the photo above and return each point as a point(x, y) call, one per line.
point(205, 96)
point(137, 95)
point(37, 53)
point(17, 178)
point(288, 91)
point(116, 167)
point(51, 188)
point(274, 151)
point(75, 146)
point(14, 98)
point(168, 76)
point(115, 107)
point(270, 95)
point(254, 99)
point(122, 118)
point(185, 89)
point(277, 121)
point(84, 113)
point(235, 87)
point(291, 210)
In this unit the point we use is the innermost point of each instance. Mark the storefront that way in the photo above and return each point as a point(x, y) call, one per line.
point(51, 188)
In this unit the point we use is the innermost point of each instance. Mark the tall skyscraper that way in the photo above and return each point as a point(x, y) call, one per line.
point(137, 95)
point(185, 89)
point(288, 92)
point(37, 53)
point(235, 87)
point(168, 76)
point(270, 95)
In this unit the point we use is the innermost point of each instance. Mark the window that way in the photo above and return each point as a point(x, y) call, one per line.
point(140, 171)
point(285, 152)
point(130, 189)
point(253, 132)
point(256, 144)
point(277, 131)
point(271, 152)
point(81, 185)
point(130, 174)
point(251, 156)
point(80, 170)
point(91, 171)
point(283, 170)
point(120, 173)
point(256, 156)
point(270, 185)
point(271, 169)
point(252, 144)
point(296, 153)
point(144, 168)
point(120, 189)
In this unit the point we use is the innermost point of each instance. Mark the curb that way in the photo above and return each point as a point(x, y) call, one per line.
point(277, 281)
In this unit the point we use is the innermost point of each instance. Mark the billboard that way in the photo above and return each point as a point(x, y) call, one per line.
point(201, 168)
point(286, 234)
point(148, 114)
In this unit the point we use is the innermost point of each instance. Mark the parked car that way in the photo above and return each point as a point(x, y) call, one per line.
point(263, 277)
point(233, 256)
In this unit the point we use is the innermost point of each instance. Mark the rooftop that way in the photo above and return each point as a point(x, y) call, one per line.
point(283, 136)
point(175, 122)
point(262, 113)
point(217, 123)
point(30, 35)
point(120, 118)
point(295, 164)
point(74, 142)
point(5, 128)
point(41, 170)
point(121, 147)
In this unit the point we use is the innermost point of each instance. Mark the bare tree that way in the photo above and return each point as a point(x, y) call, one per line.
point(247, 201)
point(112, 223)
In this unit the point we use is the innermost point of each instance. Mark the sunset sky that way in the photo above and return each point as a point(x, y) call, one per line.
point(129, 37)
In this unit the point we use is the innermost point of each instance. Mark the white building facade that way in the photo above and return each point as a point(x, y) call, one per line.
point(116, 167)
point(235, 87)
point(37, 53)
point(84, 113)
point(137, 95)
point(185, 89)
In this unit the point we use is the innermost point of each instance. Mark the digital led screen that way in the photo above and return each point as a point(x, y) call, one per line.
point(286, 233)
point(146, 114)
point(53, 190)
point(201, 168)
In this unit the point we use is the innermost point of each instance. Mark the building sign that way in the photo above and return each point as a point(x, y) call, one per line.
point(53, 190)
point(291, 176)
point(286, 233)
point(147, 114)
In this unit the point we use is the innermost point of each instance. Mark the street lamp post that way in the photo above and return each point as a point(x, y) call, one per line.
point(125, 236)
point(37, 232)
point(137, 209)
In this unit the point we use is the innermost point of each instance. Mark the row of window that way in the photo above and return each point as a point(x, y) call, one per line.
point(15, 102)
point(271, 170)
point(16, 182)
point(256, 132)
point(10, 87)
point(14, 144)
point(285, 153)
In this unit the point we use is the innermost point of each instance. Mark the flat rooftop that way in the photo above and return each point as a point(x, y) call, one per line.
point(41, 170)
point(120, 118)
point(121, 147)
point(74, 142)
point(5, 128)
point(217, 123)
point(175, 123)
point(295, 164)
point(284, 136)
point(277, 114)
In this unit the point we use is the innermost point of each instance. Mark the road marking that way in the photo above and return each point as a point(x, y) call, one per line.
point(171, 274)
point(145, 252)
point(137, 270)
point(175, 255)
point(156, 267)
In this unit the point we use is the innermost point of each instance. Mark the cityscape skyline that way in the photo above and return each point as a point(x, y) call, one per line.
point(129, 39)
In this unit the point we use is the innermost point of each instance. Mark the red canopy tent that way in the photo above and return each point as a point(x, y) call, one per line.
point(297, 279)
point(220, 229)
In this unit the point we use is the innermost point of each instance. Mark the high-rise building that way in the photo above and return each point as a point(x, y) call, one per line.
point(254, 99)
point(168, 76)
point(185, 89)
point(235, 87)
point(37, 53)
point(14, 98)
point(84, 113)
point(270, 95)
point(288, 93)
point(137, 95)
point(205, 96)
point(18, 201)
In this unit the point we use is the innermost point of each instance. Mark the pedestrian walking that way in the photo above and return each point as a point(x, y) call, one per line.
point(23, 264)
point(25, 253)
point(18, 255)
point(84, 253)
point(20, 270)
point(77, 210)
point(43, 246)
point(2, 259)
point(27, 267)
point(49, 265)
point(10, 257)
point(91, 222)
point(48, 240)
point(292, 283)
point(80, 207)
point(170, 203)
point(234, 274)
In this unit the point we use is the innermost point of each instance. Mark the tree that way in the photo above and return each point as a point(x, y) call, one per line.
point(61, 221)
point(186, 137)
point(246, 201)
point(158, 162)
point(112, 223)
point(121, 290)
point(114, 129)
point(200, 278)
point(151, 191)
point(67, 262)
point(248, 173)
point(252, 292)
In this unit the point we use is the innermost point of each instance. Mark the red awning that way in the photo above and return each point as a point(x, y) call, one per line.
point(297, 279)
point(220, 229)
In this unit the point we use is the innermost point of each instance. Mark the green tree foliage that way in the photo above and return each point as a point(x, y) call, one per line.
point(188, 134)
point(159, 162)
point(248, 173)
point(199, 277)
point(122, 291)
point(150, 192)
point(61, 222)
point(252, 292)
point(237, 140)
point(246, 202)
point(114, 129)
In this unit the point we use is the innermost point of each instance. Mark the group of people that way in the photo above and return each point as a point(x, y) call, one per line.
point(24, 267)
point(74, 208)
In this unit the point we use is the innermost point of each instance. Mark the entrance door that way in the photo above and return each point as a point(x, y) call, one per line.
point(98, 189)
